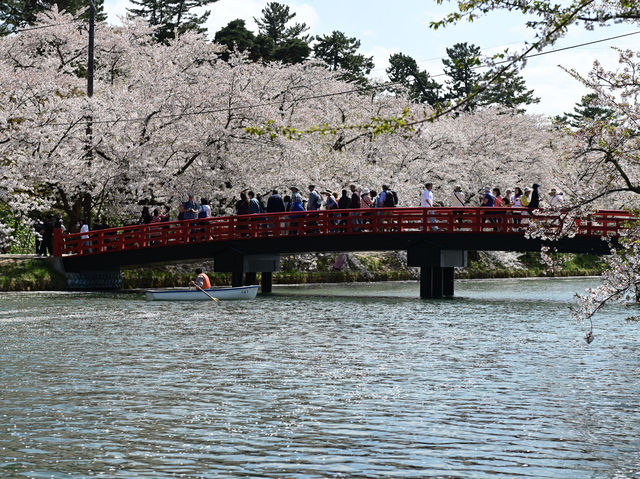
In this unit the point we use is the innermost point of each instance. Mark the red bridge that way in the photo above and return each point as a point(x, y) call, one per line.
point(436, 239)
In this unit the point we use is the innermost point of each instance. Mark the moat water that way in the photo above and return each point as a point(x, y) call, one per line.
point(352, 380)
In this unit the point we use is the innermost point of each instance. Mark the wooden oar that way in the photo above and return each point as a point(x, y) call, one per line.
point(198, 287)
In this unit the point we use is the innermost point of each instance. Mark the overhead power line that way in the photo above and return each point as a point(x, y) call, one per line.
point(41, 27)
point(327, 95)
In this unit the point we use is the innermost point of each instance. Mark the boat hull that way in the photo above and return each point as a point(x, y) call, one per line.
point(240, 292)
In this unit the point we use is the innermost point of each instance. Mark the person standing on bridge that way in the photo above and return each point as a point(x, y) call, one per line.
point(344, 200)
point(555, 200)
point(457, 198)
point(254, 204)
point(427, 202)
point(355, 197)
point(367, 202)
point(534, 204)
point(205, 210)
point(427, 196)
point(202, 280)
point(331, 203)
point(275, 203)
point(296, 200)
point(242, 205)
point(488, 200)
point(190, 208)
point(315, 202)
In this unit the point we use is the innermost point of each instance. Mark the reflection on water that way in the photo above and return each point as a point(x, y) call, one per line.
point(318, 381)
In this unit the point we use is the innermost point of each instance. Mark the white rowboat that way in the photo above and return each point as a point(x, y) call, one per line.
point(240, 292)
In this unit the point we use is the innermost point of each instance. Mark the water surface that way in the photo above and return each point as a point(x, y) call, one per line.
point(319, 381)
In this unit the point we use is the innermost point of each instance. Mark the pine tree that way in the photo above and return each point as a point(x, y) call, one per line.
point(172, 16)
point(16, 14)
point(464, 79)
point(340, 53)
point(509, 89)
point(422, 88)
point(587, 110)
point(236, 37)
point(277, 40)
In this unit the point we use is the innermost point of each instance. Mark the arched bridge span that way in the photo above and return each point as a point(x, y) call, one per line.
point(436, 239)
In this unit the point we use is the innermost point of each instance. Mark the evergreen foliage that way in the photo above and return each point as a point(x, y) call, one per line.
point(422, 88)
point(16, 14)
point(236, 37)
point(586, 110)
point(277, 39)
point(172, 16)
point(340, 53)
point(461, 68)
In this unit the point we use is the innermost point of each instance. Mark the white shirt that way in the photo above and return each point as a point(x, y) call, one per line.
point(84, 229)
point(427, 199)
point(457, 199)
point(207, 210)
point(555, 202)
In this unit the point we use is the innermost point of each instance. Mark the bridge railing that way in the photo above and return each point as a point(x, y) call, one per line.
point(334, 222)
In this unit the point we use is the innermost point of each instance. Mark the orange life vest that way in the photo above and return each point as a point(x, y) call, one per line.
point(206, 284)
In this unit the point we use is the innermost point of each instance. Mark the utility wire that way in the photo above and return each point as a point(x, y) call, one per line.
point(40, 27)
point(327, 95)
point(539, 54)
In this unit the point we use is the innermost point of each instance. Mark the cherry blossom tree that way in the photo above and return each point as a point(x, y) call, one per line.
point(168, 119)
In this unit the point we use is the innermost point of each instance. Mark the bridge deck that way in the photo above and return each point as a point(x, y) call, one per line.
point(336, 230)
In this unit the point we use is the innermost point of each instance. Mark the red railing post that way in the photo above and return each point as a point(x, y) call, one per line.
point(57, 241)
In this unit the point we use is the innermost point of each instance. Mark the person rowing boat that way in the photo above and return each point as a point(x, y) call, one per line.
point(202, 282)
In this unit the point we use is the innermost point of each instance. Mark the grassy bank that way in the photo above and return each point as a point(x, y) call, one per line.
point(37, 274)
point(30, 275)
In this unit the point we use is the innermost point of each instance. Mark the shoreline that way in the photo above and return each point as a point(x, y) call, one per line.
point(288, 285)
point(33, 273)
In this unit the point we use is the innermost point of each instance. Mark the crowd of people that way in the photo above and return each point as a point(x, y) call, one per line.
point(351, 197)
point(354, 197)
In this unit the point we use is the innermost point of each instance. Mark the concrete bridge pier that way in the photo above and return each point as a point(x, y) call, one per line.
point(267, 282)
point(243, 267)
point(436, 269)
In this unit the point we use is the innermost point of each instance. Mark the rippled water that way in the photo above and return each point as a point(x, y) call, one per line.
point(319, 381)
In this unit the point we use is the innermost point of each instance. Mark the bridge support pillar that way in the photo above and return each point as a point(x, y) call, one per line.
point(243, 267)
point(436, 282)
point(448, 281)
point(436, 269)
point(267, 282)
point(236, 278)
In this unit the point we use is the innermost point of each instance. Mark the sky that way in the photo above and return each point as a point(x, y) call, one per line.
point(385, 27)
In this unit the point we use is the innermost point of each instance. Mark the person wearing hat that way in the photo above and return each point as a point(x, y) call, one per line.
point(457, 198)
point(534, 204)
point(366, 199)
point(555, 199)
point(525, 199)
point(488, 199)
point(315, 202)
point(296, 200)
point(331, 203)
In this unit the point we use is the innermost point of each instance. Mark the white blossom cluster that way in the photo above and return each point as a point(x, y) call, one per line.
point(171, 119)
